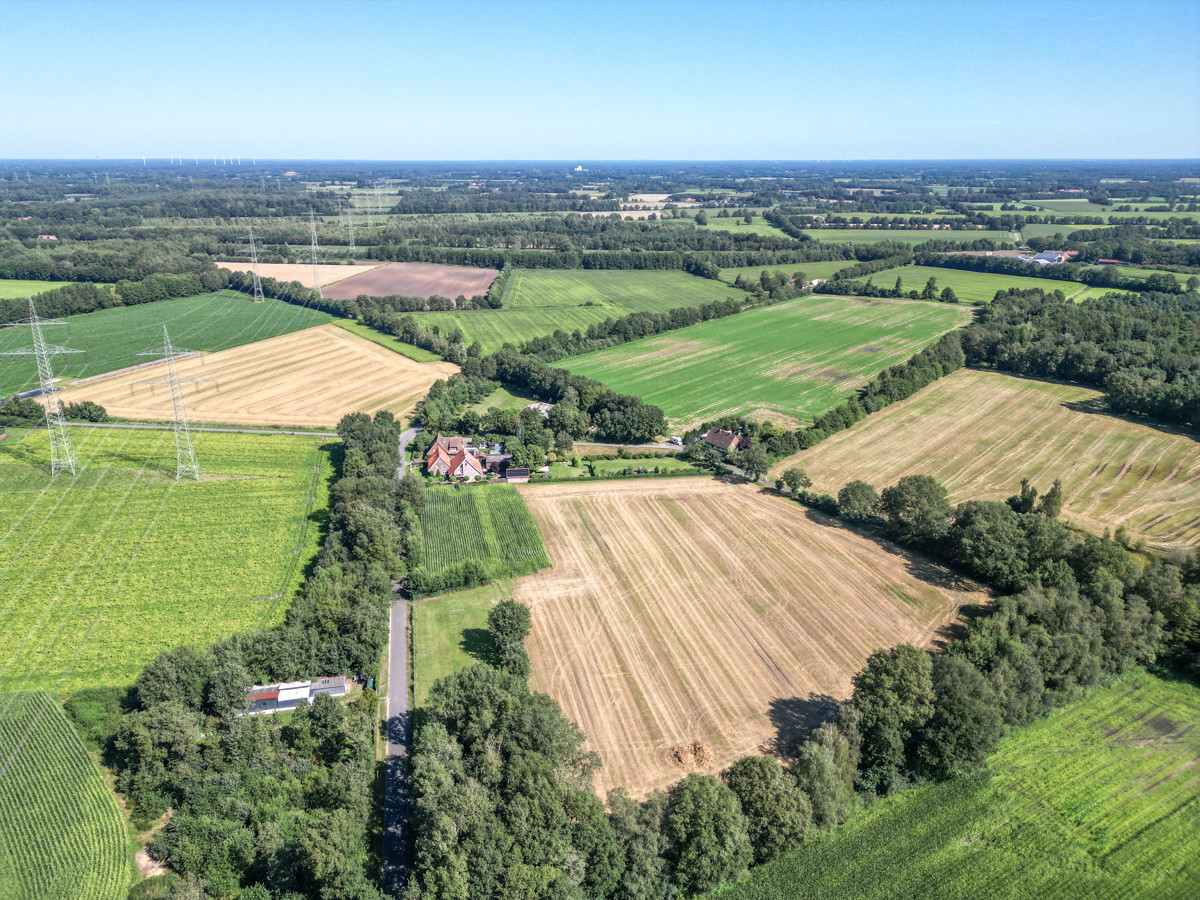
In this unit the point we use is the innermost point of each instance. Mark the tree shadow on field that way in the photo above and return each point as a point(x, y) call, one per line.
point(1098, 407)
point(478, 643)
point(794, 718)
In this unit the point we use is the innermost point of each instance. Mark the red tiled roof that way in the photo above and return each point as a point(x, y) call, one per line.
point(463, 457)
point(720, 438)
point(255, 696)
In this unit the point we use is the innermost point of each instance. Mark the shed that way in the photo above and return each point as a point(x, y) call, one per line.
point(516, 476)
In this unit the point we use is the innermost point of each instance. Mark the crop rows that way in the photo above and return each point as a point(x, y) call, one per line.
point(103, 571)
point(61, 833)
point(1101, 800)
point(795, 359)
point(489, 524)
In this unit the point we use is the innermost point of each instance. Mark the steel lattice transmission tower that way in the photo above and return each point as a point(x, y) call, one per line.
point(185, 453)
point(62, 454)
point(258, 291)
point(312, 220)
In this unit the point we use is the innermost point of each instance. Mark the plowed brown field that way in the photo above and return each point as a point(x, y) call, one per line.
point(980, 433)
point(686, 623)
point(301, 272)
point(309, 378)
point(415, 280)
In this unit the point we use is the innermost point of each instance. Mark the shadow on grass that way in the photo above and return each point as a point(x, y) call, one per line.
point(477, 642)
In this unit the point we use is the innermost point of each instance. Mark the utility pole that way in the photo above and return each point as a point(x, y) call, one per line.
point(258, 292)
point(62, 454)
point(185, 453)
point(312, 219)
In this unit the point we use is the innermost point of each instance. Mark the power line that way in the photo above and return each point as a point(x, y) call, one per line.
point(62, 454)
point(258, 291)
point(185, 453)
point(312, 219)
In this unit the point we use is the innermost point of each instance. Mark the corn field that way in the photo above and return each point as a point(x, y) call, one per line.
point(489, 524)
point(61, 833)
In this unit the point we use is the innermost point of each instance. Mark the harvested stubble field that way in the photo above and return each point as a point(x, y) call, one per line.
point(310, 378)
point(303, 272)
point(415, 280)
point(1098, 800)
point(979, 433)
point(62, 836)
point(679, 638)
point(112, 338)
point(104, 569)
point(794, 359)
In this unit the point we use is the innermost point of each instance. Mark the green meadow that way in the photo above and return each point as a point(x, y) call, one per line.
point(971, 287)
point(795, 359)
point(106, 568)
point(16, 288)
point(1099, 800)
point(538, 302)
point(868, 235)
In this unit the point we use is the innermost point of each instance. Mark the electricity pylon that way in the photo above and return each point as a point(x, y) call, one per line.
point(185, 453)
point(258, 292)
point(350, 220)
point(62, 454)
point(312, 220)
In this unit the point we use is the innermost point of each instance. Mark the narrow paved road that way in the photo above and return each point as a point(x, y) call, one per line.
point(405, 437)
point(397, 845)
point(328, 434)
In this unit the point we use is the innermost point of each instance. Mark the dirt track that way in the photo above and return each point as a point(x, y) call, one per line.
point(415, 280)
point(687, 622)
point(308, 378)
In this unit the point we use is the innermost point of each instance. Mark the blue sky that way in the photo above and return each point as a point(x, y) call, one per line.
point(614, 80)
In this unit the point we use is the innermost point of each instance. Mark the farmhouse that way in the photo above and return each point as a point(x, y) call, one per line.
point(721, 439)
point(265, 699)
point(454, 457)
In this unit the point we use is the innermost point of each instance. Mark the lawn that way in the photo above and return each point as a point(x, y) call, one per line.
point(450, 633)
point(868, 235)
point(539, 301)
point(62, 836)
point(1099, 800)
point(486, 524)
point(1135, 272)
point(416, 354)
point(980, 433)
point(18, 289)
point(794, 360)
point(105, 569)
point(112, 338)
point(971, 287)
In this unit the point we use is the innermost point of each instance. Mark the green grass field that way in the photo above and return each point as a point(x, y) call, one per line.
point(796, 359)
point(1040, 229)
point(971, 287)
point(62, 836)
point(823, 269)
point(1087, 293)
point(112, 338)
point(103, 570)
point(1100, 800)
point(758, 225)
point(911, 235)
point(416, 354)
point(18, 289)
point(450, 633)
point(487, 523)
point(539, 301)
point(1135, 272)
